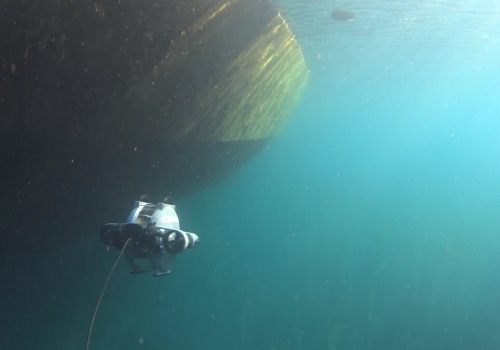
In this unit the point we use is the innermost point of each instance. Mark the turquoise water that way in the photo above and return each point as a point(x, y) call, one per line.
point(371, 223)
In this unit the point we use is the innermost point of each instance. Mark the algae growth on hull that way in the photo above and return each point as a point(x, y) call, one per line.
point(121, 93)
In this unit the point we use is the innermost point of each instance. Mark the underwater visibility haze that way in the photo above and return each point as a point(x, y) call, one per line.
point(370, 223)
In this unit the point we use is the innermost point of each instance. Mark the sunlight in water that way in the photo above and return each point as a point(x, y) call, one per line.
point(466, 31)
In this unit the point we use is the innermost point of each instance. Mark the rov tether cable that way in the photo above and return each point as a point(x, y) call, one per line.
point(102, 293)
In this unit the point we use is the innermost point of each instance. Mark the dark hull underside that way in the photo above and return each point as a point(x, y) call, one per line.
point(102, 102)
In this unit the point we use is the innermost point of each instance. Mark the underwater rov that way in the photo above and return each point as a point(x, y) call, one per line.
point(155, 235)
point(152, 232)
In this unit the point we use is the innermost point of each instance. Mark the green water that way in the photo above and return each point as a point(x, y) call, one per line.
point(370, 223)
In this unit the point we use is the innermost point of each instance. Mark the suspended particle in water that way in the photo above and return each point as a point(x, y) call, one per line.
point(343, 16)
